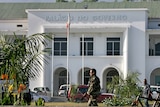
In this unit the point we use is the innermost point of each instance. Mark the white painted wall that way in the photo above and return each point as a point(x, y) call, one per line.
point(99, 24)
point(11, 26)
point(134, 51)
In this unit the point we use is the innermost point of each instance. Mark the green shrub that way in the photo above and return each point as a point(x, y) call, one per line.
point(117, 101)
point(73, 92)
point(7, 99)
point(125, 90)
point(40, 102)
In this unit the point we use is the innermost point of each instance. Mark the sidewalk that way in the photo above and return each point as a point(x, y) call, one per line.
point(59, 99)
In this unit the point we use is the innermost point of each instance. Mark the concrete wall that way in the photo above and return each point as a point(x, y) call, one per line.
point(128, 24)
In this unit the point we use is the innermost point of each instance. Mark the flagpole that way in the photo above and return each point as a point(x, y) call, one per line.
point(68, 35)
point(82, 58)
point(52, 65)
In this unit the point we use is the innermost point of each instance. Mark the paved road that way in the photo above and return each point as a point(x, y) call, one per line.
point(59, 99)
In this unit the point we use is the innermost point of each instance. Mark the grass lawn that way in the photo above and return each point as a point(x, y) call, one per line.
point(73, 104)
point(67, 104)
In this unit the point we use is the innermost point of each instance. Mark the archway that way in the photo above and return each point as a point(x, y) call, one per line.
point(60, 77)
point(85, 76)
point(155, 77)
point(107, 76)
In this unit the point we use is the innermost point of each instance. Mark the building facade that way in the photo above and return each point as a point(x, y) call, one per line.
point(113, 41)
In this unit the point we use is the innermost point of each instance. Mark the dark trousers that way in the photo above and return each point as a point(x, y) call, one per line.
point(146, 102)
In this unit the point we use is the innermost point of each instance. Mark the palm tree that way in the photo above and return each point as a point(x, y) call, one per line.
point(22, 57)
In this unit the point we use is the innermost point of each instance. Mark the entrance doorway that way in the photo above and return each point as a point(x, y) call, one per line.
point(107, 76)
point(60, 78)
point(155, 77)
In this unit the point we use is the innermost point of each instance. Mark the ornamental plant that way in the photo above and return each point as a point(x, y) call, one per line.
point(73, 91)
point(21, 59)
point(125, 91)
point(40, 102)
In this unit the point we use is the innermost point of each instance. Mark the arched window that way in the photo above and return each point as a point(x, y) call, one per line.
point(86, 76)
point(63, 77)
point(110, 74)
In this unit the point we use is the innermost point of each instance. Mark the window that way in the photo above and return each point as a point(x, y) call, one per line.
point(86, 76)
point(113, 46)
point(60, 46)
point(157, 49)
point(86, 46)
point(111, 73)
point(83, 89)
point(154, 45)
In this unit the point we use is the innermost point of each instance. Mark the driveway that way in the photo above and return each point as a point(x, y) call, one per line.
point(59, 99)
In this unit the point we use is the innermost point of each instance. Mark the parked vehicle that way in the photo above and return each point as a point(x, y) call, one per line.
point(36, 96)
point(63, 90)
point(42, 91)
point(75, 93)
point(154, 90)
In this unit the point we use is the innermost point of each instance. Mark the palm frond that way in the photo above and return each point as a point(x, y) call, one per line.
point(23, 55)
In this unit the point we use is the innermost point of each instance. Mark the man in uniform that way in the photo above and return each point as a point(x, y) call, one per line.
point(94, 88)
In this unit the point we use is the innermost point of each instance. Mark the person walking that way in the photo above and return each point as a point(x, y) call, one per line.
point(94, 88)
point(146, 92)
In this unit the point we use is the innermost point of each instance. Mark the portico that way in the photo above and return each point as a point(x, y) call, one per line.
point(103, 39)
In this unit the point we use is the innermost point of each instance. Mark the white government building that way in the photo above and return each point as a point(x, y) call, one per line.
point(113, 38)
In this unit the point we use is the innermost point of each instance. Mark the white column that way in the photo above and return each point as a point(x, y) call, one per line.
point(82, 58)
point(125, 53)
point(52, 82)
